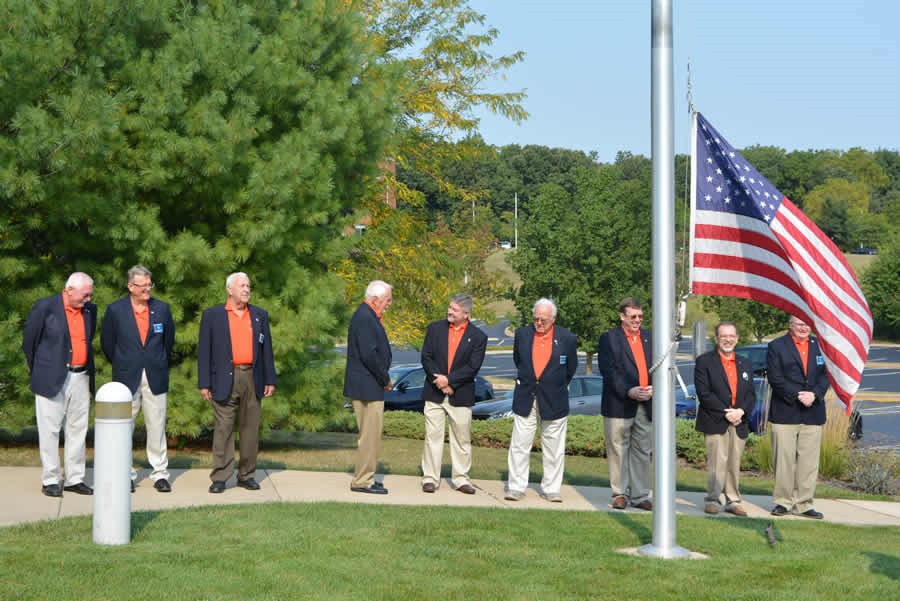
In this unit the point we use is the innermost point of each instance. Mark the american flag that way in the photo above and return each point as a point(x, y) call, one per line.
point(750, 241)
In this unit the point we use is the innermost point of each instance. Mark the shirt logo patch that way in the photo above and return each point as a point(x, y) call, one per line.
point(157, 328)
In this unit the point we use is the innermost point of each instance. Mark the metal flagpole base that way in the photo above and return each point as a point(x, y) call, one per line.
point(675, 552)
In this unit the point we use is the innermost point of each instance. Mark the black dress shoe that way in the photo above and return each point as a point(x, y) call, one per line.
point(379, 490)
point(81, 488)
point(249, 484)
point(779, 510)
point(162, 485)
point(467, 489)
point(51, 490)
point(133, 486)
point(812, 513)
point(428, 487)
point(217, 486)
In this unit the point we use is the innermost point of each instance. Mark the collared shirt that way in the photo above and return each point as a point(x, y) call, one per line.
point(803, 349)
point(541, 350)
point(637, 350)
point(454, 337)
point(374, 309)
point(142, 317)
point(75, 319)
point(241, 331)
point(730, 366)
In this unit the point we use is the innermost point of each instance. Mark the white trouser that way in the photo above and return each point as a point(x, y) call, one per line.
point(71, 407)
point(460, 442)
point(553, 450)
point(155, 420)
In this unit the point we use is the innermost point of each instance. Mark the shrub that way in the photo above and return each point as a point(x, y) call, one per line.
point(689, 443)
point(874, 471)
point(762, 454)
point(834, 460)
point(750, 458)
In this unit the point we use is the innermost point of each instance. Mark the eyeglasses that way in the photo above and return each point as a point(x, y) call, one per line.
point(542, 319)
point(142, 286)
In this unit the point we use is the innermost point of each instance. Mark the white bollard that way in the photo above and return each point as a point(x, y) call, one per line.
point(112, 465)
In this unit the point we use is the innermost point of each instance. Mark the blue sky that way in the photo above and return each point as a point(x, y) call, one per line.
point(797, 74)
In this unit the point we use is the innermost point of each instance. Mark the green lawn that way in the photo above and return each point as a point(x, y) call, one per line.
point(340, 551)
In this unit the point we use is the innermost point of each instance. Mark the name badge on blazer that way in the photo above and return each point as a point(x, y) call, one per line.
point(157, 328)
point(820, 360)
point(262, 338)
point(563, 359)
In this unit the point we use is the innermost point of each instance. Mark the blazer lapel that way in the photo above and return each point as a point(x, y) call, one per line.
point(59, 309)
point(257, 328)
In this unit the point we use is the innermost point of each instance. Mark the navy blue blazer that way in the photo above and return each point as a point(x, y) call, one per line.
point(368, 357)
point(786, 377)
point(215, 363)
point(620, 373)
point(466, 362)
point(714, 393)
point(121, 343)
point(552, 389)
point(48, 347)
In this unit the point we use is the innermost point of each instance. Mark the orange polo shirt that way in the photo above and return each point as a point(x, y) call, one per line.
point(730, 366)
point(637, 350)
point(454, 337)
point(241, 331)
point(75, 319)
point(374, 309)
point(142, 317)
point(541, 350)
point(803, 349)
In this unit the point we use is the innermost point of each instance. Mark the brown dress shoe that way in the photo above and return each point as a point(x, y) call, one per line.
point(620, 502)
point(428, 487)
point(646, 505)
point(711, 508)
point(736, 510)
point(467, 489)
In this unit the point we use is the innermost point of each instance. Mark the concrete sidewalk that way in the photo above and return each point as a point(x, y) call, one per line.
point(24, 501)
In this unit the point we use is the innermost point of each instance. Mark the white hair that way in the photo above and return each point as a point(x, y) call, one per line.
point(377, 289)
point(78, 279)
point(546, 302)
point(230, 279)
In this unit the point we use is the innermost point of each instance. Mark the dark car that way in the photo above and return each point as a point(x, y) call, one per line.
point(864, 250)
point(757, 354)
point(407, 384)
point(585, 392)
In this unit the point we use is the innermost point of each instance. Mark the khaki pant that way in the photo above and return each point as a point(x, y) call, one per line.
point(154, 406)
point(795, 452)
point(460, 442)
point(629, 442)
point(723, 463)
point(70, 407)
point(244, 405)
point(553, 450)
point(370, 421)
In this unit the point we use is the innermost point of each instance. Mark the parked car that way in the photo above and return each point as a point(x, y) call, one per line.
point(407, 384)
point(864, 250)
point(585, 392)
point(757, 354)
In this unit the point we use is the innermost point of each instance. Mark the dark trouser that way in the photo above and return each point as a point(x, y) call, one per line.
point(243, 404)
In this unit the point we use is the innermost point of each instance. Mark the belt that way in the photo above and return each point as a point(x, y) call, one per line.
point(244, 366)
point(77, 369)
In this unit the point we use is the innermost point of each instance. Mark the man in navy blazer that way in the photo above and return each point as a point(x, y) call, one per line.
point(624, 358)
point(58, 345)
point(725, 398)
point(452, 354)
point(235, 370)
point(137, 338)
point(546, 358)
point(799, 381)
point(366, 377)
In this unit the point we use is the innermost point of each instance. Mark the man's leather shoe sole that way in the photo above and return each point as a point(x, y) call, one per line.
point(428, 487)
point(81, 488)
point(217, 487)
point(372, 490)
point(812, 513)
point(467, 489)
point(51, 490)
point(620, 502)
point(249, 484)
point(779, 510)
point(162, 485)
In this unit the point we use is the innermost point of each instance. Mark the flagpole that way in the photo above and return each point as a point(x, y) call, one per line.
point(663, 152)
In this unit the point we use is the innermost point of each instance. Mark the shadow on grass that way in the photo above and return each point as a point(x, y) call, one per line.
point(889, 565)
point(322, 441)
point(641, 531)
point(140, 520)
